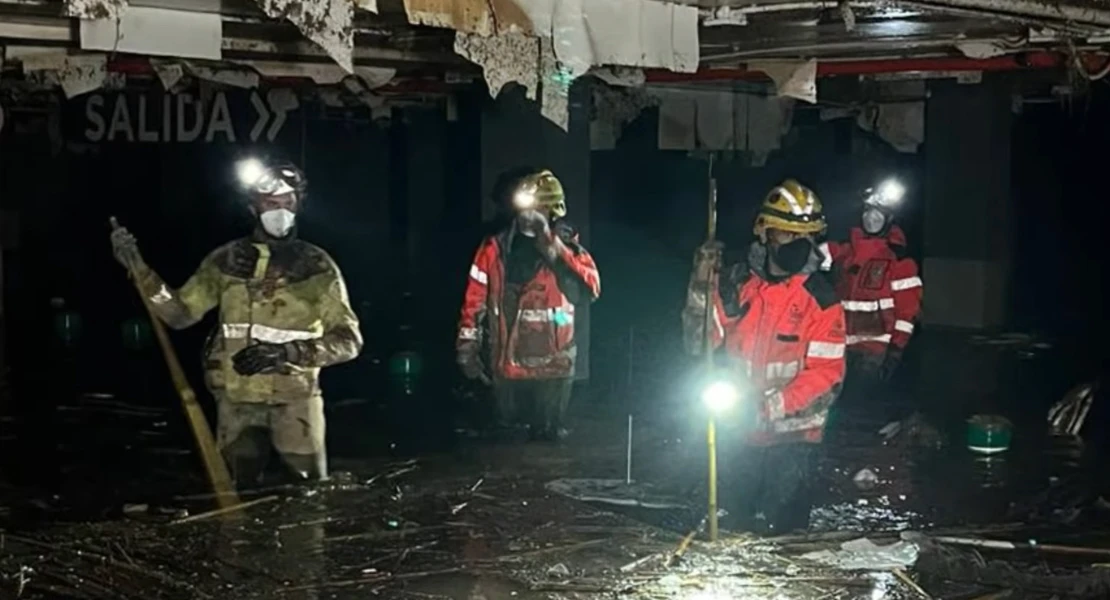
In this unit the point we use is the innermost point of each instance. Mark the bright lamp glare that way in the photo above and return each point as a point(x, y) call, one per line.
point(891, 192)
point(250, 171)
point(524, 200)
point(720, 396)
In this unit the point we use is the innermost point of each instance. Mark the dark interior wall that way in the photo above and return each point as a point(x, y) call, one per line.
point(649, 214)
point(515, 134)
point(181, 202)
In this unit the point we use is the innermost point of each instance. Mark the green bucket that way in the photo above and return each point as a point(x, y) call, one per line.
point(989, 434)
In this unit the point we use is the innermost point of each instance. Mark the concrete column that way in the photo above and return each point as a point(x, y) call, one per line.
point(967, 205)
point(515, 134)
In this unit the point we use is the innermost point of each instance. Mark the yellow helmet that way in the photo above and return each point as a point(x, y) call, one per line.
point(792, 207)
point(541, 191)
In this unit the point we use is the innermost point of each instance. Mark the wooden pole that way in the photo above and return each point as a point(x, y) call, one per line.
point(214, 466)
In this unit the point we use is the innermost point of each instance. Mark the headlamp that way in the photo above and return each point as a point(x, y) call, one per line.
point(720, 396)
point(888, 194)
point(524, 200)
point(255, 177)
point(250, 171)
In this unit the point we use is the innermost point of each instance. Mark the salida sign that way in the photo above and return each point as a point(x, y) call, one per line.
point(184, 118)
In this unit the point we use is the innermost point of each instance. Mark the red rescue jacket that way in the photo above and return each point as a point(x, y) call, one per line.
point(879, 288)
point(787, 338)
point(537, 340)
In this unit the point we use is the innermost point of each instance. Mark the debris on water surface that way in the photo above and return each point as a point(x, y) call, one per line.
point(863, 554)
point(865, 479)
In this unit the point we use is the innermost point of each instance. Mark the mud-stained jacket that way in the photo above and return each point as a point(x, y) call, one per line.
point(786, 339)
point(879, 288)
point(287, 292)
point(537, 340)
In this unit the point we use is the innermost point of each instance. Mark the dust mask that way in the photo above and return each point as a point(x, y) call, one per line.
point(278, 222)
point(873, 221)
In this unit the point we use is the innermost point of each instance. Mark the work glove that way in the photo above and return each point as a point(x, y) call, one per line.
point(707, 260)
point(125, 248)
point(890, 363)
point(470, 364)
point(260, 358)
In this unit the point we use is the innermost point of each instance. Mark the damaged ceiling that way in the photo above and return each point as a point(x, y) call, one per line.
point(430, 46)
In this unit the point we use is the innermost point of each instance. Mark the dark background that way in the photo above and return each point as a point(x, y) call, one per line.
point(398, 205)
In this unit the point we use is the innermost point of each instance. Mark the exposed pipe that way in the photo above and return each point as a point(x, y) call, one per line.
point(1011, 62)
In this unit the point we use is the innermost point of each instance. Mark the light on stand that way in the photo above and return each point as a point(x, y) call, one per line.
point(720, 396)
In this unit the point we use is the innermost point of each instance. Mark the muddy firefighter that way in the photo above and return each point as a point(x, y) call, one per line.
point(283, 315)
point(879, 287)
point(781, 327)
point(524, 284)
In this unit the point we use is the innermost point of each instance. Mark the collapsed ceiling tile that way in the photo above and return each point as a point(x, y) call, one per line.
point(367, 5)
point(77, 74)
point(620, 76)
point(793, 78)
point(157, 31)
point(504, 58)
point(554, 88)
point(326, 22)
point(613, 108)
point(95, 9)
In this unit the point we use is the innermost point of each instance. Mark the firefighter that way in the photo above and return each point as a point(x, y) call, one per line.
point(283, 315)
point(781, 328)
point(524, 284)
point(879, 288)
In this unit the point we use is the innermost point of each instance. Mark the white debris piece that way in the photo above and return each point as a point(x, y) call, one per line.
point(863, 554)
point(326, 22)
point(504, 58)
point(793, 78)
point(77, 74)
point(157, 32)
point(96, 9)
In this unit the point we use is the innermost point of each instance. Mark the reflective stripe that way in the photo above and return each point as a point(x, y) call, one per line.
point(782, 371)
point(856, 339)
point(826, 261)
point(905, 284)
point(717, 322)
point(801, 423)
point(903, 326)
point(478, 275)
point(776, 407)
point(263, 333)
point(867, 305)
point(825, 350)
point(468, 333)
point(163, 296)
point(562, 316)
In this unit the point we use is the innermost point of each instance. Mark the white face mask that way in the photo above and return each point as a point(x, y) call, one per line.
point(873, 221)
point(278, 222)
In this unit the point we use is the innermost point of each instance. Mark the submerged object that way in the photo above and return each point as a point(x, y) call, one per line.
point(989, 434)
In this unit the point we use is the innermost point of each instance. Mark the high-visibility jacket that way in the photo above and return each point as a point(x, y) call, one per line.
point(879, 288)
point(534, 339)
point(787, 340)
point(280, 292)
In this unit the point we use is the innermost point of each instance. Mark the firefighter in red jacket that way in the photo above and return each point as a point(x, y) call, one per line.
point(878, 285)
point(524, 285)
point(781, 328)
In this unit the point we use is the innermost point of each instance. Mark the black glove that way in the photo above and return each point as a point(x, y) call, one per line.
point(260, 358)
point(470, 364)
point(890, 363)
